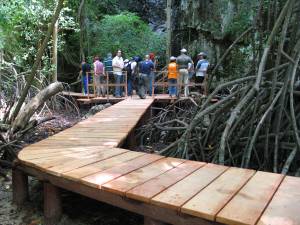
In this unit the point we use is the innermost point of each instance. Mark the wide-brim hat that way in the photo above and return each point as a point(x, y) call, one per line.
point(202, 53)
point(183, 50)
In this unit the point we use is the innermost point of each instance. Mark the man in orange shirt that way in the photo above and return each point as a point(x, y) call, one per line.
point(172, 77)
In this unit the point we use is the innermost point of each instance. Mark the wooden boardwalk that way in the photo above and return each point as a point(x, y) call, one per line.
point(87, 159)
point(91, 99)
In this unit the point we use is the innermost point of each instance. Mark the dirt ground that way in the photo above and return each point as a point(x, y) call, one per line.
point(77, 210)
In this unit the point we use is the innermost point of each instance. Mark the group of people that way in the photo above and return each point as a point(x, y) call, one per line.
point(140, 73)
point(182, 69)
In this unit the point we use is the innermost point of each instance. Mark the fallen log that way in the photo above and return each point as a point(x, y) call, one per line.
point(25, 115)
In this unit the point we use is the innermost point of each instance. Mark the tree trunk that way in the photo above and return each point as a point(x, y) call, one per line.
point(54, 52)
point(24, 116)
point(169, 30)
point(37, 61)
point(82, 27)
point(1, 62)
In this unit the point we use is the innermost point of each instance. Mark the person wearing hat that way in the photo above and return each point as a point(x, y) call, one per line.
point(172, 77)
point(183, 64)
point(145, 69)
point(201, 70)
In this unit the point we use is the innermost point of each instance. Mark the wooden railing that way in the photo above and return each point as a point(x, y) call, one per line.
point(161, 82)
point(108, 76)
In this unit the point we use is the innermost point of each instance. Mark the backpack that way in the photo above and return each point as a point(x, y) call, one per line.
point(128, 70)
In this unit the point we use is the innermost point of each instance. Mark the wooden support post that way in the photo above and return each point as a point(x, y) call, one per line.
point(20, 187)
point(130, 142)
point(150, 221)
point(52, 204)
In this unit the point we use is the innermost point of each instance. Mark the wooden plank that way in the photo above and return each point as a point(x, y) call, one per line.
point(149, 189)
point(84, 157)
point(98, 179)
point(46, 162)
point(176, 195)
point(29, 155)
point(131, 180)
point(80, 162)
point(37, 149)
point(102, 165)
point(284, 209)
point(254, 197)
point(207, 203)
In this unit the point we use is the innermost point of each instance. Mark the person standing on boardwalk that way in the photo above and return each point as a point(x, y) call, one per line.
point(108, 64)
point(99, 77)
point(152, 74)
point(183, 63)
point(172, 77)
point(85, 69)
point(146, 67)
point(118, 65)
point(131, 69)
point(201, 71)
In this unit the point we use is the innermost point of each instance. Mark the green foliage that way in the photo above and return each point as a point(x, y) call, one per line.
point(22, 26)
point(125, 31)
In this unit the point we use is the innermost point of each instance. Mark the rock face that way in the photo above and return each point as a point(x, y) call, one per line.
point(209, 25)
point(197, 25)
point(152, 11)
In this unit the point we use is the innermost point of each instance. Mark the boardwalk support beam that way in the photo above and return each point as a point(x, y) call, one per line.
point(20, 187)
point(52, 204)
point(150, 221)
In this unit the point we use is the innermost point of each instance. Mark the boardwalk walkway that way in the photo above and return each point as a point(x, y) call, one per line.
point(87, 159)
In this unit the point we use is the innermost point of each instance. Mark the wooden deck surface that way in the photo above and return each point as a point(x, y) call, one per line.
point(89, 154)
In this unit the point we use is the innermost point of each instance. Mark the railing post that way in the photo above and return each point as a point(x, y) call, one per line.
point(87, 84)
point(20, 187)
point(205, 85)
point(94, 85)
point(126, 87)
point(152, 85)
point(107, 88)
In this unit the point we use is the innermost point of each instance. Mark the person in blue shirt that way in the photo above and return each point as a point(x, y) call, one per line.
point(108, 63)
point(201, 70)
point(145, 69)
point(85, 69)
point(108, 67)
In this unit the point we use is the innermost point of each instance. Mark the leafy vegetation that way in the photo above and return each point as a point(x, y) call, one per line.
point(124, 31)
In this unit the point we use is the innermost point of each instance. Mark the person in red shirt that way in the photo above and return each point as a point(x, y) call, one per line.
point(99, 77)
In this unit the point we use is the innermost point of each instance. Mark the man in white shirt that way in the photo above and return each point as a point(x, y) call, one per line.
point(118, 65)
point(201, 71)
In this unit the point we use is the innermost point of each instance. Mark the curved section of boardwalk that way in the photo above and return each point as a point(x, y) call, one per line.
point(87, 159)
